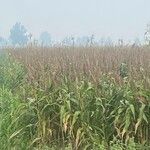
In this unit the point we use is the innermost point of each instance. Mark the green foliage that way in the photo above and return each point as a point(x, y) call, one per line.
point(123, 70)
point(9, 125)
point(11, 72)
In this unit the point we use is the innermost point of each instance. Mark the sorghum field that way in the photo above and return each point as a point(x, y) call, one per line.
point(75, 98)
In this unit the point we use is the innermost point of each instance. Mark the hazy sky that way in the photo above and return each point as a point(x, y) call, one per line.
point(115, 18)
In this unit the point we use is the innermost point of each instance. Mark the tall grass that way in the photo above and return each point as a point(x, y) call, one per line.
point(75, 98)
point(76, 62)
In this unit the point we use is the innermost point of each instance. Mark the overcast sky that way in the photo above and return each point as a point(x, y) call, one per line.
point(105, 18)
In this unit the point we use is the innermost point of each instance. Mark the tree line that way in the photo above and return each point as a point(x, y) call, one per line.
point(19, 36)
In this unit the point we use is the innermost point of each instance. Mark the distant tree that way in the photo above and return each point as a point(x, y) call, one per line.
point(120, 42)
point(45, 38)
point(105, 41)
point(68, 41)
point(136, 42)
point(92, 37)
point(83, 41)
point(108, 41)
point(102, 41)
point(3, 41)
point(18, 34)
point(147, 35)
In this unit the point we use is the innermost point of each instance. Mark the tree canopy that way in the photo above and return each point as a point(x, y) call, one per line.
point(18, 34)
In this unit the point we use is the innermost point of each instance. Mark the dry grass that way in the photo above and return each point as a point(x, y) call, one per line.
point(90, 62)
